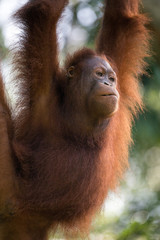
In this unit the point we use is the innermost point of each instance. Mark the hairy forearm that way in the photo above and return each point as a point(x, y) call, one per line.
point(39, 44)
point(121, 7)
point(36, 62)
point(125, 39)
point(123, 35)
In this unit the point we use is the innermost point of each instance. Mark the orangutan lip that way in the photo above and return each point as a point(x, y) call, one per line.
point(106, 95)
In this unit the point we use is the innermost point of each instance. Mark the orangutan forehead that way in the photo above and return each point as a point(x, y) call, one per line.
point(97, 61)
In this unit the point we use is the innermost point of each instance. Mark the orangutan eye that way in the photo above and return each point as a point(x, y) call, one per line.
point(112, 79)
point(99, 74)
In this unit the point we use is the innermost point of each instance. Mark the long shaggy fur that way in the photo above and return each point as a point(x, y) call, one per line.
point(63, 171)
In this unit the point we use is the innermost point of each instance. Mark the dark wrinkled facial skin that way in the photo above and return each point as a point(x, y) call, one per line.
point(98, 85)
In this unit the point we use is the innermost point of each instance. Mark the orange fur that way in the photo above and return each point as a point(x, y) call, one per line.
point(63, 167)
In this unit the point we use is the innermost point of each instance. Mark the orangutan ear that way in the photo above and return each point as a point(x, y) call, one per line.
point(70, 72)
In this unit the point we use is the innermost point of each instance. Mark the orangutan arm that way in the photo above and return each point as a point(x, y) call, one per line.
point(37, 59)
point(124, 38)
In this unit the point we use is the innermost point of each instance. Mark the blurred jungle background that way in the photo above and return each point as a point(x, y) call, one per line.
point(133, 212)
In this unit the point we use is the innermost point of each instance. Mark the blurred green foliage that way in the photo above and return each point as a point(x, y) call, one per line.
point(3, 49)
